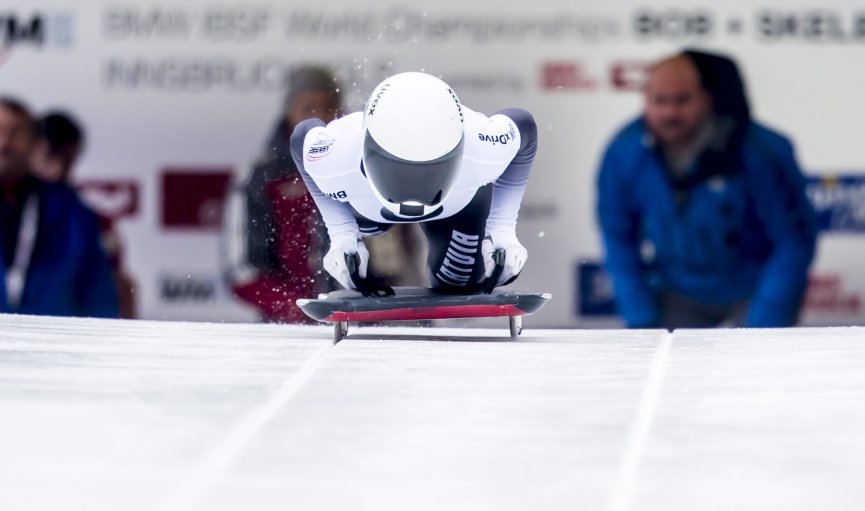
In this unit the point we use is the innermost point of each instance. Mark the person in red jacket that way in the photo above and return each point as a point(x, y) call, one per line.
point(274, 237)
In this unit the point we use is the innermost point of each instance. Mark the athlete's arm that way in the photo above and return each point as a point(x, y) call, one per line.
point(341, 225)
point(337, 215)
point(508, 189)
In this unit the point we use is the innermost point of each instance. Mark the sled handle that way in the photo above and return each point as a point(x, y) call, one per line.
point(366, 287)
point(499, 260)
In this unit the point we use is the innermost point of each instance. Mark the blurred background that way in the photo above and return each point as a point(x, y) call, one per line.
point(177, 99)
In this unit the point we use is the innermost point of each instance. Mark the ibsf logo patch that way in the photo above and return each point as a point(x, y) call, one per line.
point(319, 149)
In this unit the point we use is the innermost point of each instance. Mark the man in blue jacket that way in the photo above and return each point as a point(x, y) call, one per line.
point(52, 262)
point(703, 211)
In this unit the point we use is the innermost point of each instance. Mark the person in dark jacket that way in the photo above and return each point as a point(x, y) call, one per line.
point(52, 261)
point(59, 144)
point(275, 235)
point(702, 210)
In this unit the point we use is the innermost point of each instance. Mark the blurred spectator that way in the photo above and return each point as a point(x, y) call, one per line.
point(275, 238)
point(702, 210)
point(52, 261)
point(59, 143)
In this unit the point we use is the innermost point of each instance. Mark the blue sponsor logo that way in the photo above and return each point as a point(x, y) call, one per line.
point(595, 296)
point(839, 202)
point(36, 30)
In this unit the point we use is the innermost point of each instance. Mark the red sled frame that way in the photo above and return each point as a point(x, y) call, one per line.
point(412, 304)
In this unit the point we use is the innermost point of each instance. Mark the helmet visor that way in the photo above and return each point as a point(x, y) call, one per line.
point(399, 181)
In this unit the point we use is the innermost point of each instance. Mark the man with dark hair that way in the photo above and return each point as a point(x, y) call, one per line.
point(59, 142)
point(703, 211)
point(52, 261)
point(274, 233)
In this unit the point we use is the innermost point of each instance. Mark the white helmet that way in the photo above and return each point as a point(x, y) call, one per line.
point(413, 143)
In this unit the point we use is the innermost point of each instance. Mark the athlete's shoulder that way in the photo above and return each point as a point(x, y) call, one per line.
point(333, 149)
point(493, 140)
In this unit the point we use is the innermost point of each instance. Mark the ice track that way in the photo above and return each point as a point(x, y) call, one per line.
point(121, 415)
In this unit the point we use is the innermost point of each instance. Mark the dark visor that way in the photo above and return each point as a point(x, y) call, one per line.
point(399, 180)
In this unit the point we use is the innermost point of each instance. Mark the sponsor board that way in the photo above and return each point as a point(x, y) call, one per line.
point(595, 296)
point(194, 198)
point(827, 294)
point(839, 202)
point(159, 83)
point(187, 288)
point(36, 29)
point(114, 199)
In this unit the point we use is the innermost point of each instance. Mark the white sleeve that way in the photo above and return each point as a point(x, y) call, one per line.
point(509, 187)
point(337, 215)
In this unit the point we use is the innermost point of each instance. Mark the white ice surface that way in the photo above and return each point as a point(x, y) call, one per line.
point(121, 415)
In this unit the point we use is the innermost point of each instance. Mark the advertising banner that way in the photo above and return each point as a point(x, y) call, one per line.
point(178, 101)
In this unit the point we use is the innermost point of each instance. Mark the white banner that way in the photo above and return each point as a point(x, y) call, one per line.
point(174, 93)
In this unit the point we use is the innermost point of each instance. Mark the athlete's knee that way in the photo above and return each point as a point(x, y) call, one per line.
point(444, 281)
point(456, 263)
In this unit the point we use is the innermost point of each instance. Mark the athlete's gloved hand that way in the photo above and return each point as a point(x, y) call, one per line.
point(334, 260)
point(515, 255)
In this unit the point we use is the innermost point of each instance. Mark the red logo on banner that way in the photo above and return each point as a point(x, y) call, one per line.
point(194, 197)
point(622, 75)
point(565, 76)
point(826, 294)
point(629, 75)
point(113, 199)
